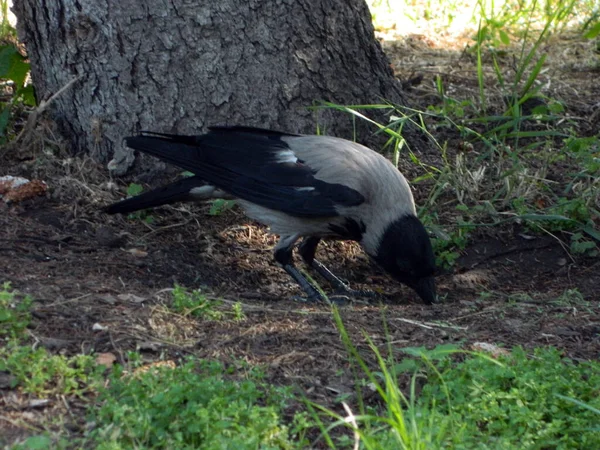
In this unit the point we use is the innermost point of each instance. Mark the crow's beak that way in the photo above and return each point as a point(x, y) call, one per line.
point(425, 287)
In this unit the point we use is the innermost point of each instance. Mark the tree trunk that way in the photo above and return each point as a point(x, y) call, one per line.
point(183, 65)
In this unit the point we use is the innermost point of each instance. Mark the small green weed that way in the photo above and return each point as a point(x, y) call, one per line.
point(447, 244)
point(447, 250)
point(197, 304)
point(237, 310)
point(582, 245)
point(572, 298)
point(134, 189)
point(194, 406)
point(14, 313)
point(219, 206)
point(516, 298)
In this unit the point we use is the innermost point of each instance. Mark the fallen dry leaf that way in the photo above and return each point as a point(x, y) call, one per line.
point(137, 252)
point(105, 359)
point(17, 189)
point(155, 365)
point(492, 349)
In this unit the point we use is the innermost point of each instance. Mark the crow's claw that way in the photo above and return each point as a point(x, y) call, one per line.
point(349, 292)
point(339, 300)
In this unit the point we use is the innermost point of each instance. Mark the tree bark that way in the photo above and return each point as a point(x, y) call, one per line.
point(182, 65)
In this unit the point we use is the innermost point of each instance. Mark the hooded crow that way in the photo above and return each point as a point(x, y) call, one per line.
point(300, 186)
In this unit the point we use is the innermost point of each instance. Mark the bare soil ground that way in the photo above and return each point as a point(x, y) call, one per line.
point(85, 268)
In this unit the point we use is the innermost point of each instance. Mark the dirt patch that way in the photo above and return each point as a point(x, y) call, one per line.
point(78, 280)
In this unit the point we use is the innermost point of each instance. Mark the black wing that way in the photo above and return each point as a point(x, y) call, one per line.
point(252, 164)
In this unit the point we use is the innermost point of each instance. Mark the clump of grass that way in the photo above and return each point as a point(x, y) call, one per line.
point(398, 424)
point(198, 304)
point(35, 370)
point(194, 405)
point(15, 313)
point(519, 400)
point(38, 372)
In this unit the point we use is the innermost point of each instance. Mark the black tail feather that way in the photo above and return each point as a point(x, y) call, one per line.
point(175, 192)
point(166, 137)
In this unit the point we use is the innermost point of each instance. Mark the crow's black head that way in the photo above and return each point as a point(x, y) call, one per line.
point(405, 253)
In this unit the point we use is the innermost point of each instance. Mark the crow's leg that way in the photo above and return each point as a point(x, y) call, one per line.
point(307, 250)
point(283, 255)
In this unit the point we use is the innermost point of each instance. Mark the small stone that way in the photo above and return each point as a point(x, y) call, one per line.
point(99, 327)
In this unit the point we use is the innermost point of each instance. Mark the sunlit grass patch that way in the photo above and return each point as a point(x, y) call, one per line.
point(503, 18)
point(195, 405)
